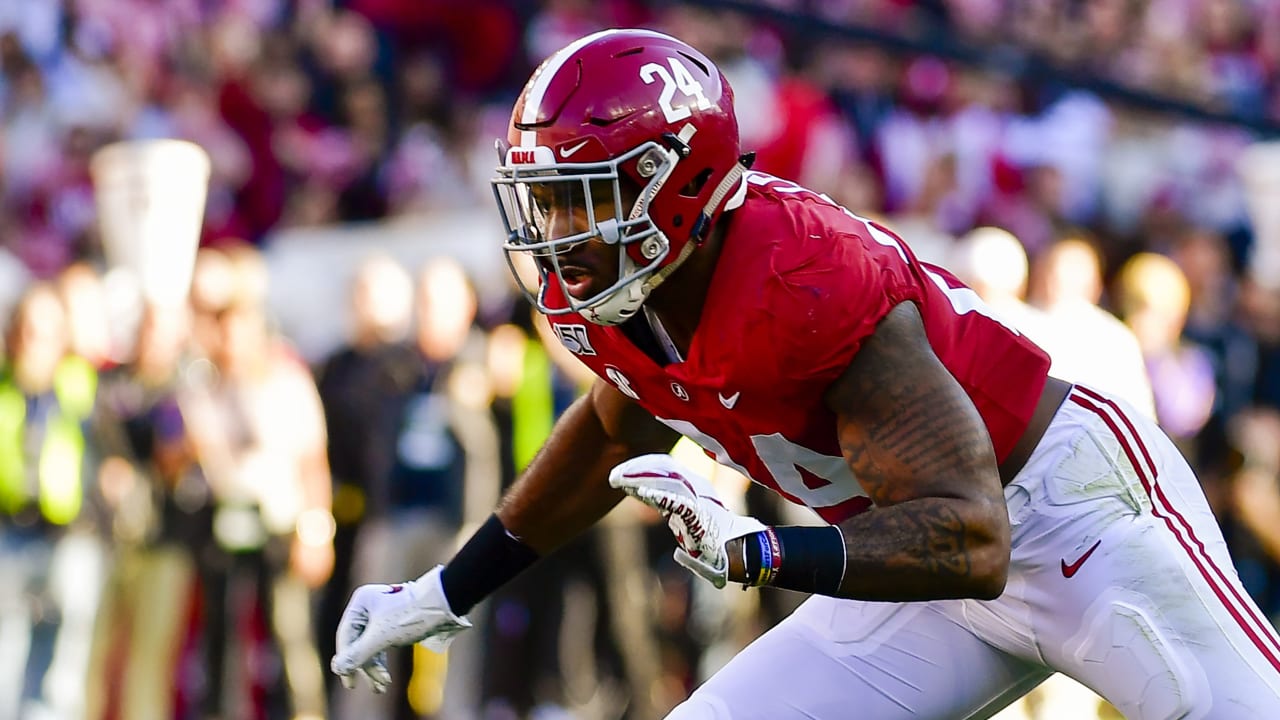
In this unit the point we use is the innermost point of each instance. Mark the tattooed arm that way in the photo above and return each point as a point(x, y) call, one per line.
point(915, 441)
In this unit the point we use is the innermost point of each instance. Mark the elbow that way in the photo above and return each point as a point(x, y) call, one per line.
point(990, 573)
point(989, 568)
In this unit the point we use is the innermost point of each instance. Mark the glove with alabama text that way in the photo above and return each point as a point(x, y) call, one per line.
point(380, 616)
point(701, 523)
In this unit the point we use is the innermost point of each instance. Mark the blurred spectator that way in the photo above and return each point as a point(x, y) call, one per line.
point(913, 137)
point(922, 223)
point(52, 572)
point(428, 167)
point(1087, 344)
point(435, 451)
point(213, 287)
point(559, 23)
point(1260, 306)
point(1255, 434)
point(859, 80)
point(569, 637)
point(161, 520)
point(1153, 297)
point(994, 264)
point(748, 56)
point(359, 384)
point(88, 315)
point(1214, 324)
point(259, 434)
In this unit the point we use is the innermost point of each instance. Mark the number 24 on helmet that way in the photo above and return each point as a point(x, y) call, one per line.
point(631, 119)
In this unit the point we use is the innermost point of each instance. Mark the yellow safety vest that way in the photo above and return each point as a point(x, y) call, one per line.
point(60, 491)
point(533, 405)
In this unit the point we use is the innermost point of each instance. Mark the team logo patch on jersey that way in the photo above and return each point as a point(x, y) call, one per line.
point(617, 378)
point(679, 391)
point(574, 337)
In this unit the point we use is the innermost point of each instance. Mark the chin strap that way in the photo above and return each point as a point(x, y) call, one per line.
point(730, 182)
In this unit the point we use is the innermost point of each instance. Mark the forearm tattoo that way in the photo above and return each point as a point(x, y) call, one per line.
point(919, 449)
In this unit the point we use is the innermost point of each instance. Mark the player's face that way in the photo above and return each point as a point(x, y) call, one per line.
point(590, 266)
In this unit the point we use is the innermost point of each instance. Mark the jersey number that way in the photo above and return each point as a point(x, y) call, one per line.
point(678, 79)
point(782, 457)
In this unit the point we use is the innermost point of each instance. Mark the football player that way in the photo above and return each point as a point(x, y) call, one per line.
point(986, 524)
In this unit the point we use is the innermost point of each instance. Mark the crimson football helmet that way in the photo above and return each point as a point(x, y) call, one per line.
point(630, 118)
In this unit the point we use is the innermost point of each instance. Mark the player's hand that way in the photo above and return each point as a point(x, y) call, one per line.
point(382, 616)
point(701, 523)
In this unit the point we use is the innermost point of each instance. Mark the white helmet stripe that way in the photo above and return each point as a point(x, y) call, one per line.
point(542, 80)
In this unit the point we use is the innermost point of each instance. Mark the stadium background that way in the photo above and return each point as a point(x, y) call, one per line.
point(332, 358)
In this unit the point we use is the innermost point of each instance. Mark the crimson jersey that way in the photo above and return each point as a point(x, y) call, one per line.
point(799, 285)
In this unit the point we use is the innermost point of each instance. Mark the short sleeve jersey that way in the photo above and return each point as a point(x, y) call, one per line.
point(800, 284)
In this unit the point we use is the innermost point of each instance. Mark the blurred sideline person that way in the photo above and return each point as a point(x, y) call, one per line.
point(989, 524)
point(52, 567)
point(590, 646)
point(440, 470)
point(1066, 284)
point(1255, 434)
point(1224, 456)
point(357, 384)
point(1153, 298)
point(993, 262)
point(258, 431)
point(1214, 324)
point(161, 520)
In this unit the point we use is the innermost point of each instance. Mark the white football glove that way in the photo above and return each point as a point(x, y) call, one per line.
point(380, 616)
point(701, 523)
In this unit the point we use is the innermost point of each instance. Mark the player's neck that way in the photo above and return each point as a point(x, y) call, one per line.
point(678, 301)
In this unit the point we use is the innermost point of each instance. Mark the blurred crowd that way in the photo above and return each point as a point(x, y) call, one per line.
point(186, 500)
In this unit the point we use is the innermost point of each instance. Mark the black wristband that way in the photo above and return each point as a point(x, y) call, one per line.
point(486, 562)
point(813, 559)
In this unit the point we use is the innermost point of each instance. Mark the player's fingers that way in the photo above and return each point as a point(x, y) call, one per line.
point(639, 483)
point(700, 568)
point(685, 559)
point(357, 654)
point(353, 623)
point(377, 672)
point(342, 667)
point(667, 503)
point(348, 681)
point(375, 685)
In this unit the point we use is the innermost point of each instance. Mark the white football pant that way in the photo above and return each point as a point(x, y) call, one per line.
point(1119, 578)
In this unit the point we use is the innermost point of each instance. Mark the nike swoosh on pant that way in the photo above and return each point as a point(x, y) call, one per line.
point(1070, 570)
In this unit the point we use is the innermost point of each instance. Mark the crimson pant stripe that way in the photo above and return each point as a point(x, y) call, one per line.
point(1263, 641)
point(1263, 625)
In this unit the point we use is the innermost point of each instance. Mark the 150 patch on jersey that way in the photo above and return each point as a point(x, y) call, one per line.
point(574, 337)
